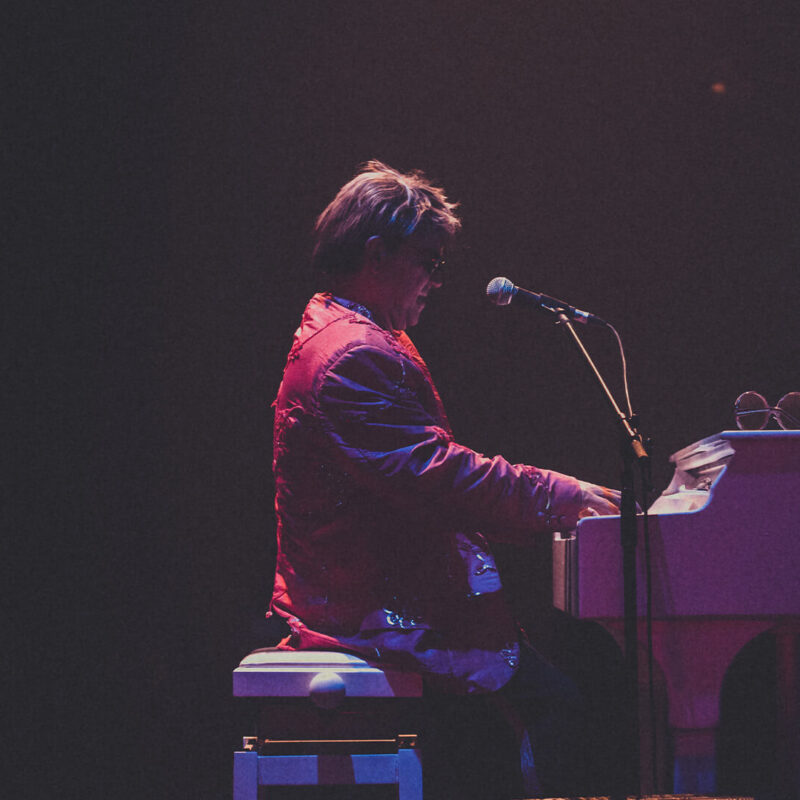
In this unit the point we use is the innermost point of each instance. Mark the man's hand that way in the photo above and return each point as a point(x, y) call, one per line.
point(598, 501)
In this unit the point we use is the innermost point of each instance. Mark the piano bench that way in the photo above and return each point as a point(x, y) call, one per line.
point(327, 719)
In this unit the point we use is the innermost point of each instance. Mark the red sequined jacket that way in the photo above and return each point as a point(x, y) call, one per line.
point(379, 510)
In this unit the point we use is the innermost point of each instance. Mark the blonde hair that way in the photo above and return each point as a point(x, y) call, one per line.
point(378, 201)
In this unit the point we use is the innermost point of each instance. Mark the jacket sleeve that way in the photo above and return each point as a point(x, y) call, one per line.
point(369, 407)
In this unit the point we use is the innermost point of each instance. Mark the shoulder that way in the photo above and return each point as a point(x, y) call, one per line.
point(336, 337)
point(372, 360)
point(337, 350)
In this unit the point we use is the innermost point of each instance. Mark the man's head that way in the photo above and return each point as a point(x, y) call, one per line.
point(382, 238)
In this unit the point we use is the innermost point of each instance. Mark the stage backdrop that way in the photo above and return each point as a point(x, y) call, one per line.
point(638, 160)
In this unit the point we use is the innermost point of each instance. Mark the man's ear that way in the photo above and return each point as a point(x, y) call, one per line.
point(374, 252)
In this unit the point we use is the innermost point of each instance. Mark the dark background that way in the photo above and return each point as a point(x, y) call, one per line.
point(170, 161)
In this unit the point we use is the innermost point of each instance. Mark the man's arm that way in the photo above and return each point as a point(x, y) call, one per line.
point(395, 448)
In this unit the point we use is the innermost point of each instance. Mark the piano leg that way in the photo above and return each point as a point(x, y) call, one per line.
point(694, 655)
point(694, 771)
point(788, 717)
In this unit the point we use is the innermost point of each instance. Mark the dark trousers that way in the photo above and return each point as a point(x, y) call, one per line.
point(552, 731)
point(570, 703)
point(550, 718)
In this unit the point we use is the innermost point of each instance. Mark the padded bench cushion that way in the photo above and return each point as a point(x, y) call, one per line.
point(304, 673)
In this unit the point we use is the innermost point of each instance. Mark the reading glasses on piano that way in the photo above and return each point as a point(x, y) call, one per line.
point(753, 411)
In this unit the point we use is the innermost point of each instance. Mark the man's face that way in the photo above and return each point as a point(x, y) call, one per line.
point(407, 279)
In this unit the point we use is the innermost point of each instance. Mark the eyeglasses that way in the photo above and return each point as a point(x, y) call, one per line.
point(434, 266)
point(431, 261)
point(753, 412)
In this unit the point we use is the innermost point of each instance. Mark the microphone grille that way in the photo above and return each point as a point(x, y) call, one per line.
point(500, 291)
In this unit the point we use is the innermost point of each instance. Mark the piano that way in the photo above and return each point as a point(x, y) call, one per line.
point(725, 567)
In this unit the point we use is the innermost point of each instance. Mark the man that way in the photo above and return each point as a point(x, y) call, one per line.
point(384, 520)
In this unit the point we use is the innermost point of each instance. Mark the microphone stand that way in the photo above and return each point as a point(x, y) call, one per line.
point(633, 451)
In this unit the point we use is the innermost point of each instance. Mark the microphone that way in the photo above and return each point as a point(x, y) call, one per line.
point(501, 292)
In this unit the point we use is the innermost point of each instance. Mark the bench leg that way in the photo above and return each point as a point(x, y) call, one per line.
point(245, 775)
point(409, 774)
